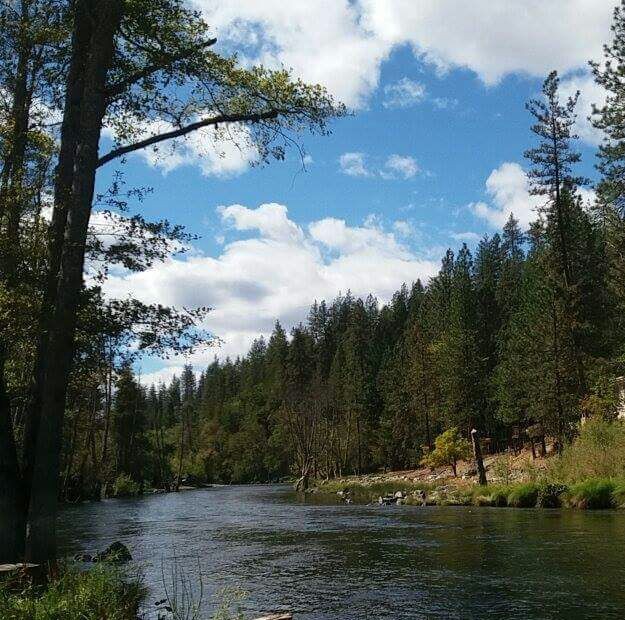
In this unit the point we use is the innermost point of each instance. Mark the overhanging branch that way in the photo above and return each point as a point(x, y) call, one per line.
point(183, 131)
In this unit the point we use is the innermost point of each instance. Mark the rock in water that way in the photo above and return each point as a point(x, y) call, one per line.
point(117, 553)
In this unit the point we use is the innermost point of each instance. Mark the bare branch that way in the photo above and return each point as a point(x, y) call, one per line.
point(183, 131)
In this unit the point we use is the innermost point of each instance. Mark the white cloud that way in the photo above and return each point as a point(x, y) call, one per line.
point(403, 228)
point(508, 189)
point(589, 93)
point(404, 166)
point(492, 39)
point(353, 164)
point(275, 274)
point(270, 220)
point(403, 93)
point(395, 166)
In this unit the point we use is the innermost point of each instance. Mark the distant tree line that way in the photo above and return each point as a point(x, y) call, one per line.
point(529, 328)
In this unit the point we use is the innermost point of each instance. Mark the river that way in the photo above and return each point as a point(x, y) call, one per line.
point(338, 562)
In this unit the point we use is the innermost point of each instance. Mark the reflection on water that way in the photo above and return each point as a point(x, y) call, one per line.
point(342, 562)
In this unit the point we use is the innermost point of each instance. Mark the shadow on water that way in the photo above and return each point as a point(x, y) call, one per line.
point(352, 562)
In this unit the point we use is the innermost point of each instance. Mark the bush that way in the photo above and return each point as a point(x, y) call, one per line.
point(550, 495)
point(619, 494)
point(598, 452)
point(102, 593)
point(593, 494)
point(523, 495)
point(503, 469)
point(125, 486)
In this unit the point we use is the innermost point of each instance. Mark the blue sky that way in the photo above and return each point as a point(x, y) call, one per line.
point(431, 156)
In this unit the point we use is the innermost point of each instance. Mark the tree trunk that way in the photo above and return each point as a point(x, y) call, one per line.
point(70, 130)
point(41, 539)
point(12, 509)
point(479, 461)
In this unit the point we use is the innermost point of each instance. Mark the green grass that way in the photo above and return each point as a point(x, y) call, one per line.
point(523, 495)
point(593, 494)
point(619, 494)
point(102, 593)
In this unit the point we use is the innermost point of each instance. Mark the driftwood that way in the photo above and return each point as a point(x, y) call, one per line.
point(277, 617)
point(14, 568)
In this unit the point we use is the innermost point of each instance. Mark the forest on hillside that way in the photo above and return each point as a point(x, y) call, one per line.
point(528, 328)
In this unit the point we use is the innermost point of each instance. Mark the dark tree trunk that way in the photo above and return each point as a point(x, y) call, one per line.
point(479, 461)
point(102, 18)
point(62, 193)
point(12, 509)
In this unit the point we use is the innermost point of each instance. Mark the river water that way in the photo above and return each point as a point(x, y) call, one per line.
point(341, 562)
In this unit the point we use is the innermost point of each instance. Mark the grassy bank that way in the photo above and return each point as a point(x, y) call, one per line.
point(593, 493)
point(102, 593)
point(589, 474)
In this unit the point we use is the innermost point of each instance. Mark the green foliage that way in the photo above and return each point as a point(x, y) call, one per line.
point(502, 468)
point(592, 494)
point(125, 486)
point(619, 494)
point(498, 497)
point(101, 593)
point(598, 452)
point(449, 448)
point(550, 495)
point(523, 495)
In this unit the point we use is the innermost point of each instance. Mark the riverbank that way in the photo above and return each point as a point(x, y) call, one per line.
point(102, 592)
point(514, 480)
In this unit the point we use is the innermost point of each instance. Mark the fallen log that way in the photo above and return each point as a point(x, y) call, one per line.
point(13, 568)
point(277, 617)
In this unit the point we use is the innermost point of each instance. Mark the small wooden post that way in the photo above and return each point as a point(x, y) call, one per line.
point(477, 453)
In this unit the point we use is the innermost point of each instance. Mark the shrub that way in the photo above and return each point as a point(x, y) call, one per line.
point(593, 494)
point(598, 452)
point(449, 448)
point(498, 496)
point(550, 495)
point(523, 495)
point(619, 494)
point(125, 486)
point(102, 593)
point(503, 469)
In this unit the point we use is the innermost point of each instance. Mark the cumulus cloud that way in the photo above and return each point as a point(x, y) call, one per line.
point(353, 164)
point(396, 166)
point(508, 191)
point(276, 273)
point(404, 166)
point(403, 93)
point(493, 39)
